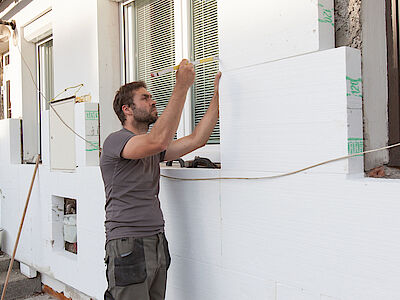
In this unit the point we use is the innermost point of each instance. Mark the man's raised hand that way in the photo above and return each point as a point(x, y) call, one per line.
point(216, 82)
point(185, 74)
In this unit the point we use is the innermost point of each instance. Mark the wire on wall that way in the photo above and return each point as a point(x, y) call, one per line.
point(79, 86)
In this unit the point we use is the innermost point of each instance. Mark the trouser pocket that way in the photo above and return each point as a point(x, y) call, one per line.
point(166, 251)
point(130, 267)
point(106, 261)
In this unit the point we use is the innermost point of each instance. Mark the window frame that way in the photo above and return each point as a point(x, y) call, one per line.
point(183, 49)
point(40, 43)
point(40, 99)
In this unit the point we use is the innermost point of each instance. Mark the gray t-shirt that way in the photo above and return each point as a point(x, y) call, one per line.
point(131, 186)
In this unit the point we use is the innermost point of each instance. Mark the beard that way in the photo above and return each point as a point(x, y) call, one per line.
point(143, 116)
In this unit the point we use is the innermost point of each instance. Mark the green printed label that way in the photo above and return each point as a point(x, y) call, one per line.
point(93, 146)
point(355, 145)
point(91, 115)
point(354, 87)
point(326, 15)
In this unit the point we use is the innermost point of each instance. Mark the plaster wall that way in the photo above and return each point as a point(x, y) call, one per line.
point(375, 82)
point(348, 23)
point(324, 234)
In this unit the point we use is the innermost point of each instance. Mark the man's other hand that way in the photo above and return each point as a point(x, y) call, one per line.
point(216, 82)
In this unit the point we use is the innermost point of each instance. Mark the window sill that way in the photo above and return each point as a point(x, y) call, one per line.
point(211, 152)
point(187, 173)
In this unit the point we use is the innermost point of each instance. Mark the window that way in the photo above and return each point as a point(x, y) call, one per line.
point(154, 46)
point(5, 107)
point(45, 73)
point(205, 44)
point(154, 39)
point(392, 26)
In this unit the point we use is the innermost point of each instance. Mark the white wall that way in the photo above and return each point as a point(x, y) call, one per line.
point(79, 55)
point(324, 234)
point(23, 91)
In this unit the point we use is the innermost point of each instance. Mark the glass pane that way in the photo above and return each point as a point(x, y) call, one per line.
point(130, 66)
point(155, 42)
point(46, 73)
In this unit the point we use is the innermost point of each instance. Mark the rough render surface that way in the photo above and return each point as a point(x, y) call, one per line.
point(348, 23)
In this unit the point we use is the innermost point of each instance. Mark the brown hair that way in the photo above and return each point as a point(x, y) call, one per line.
point(124, 96)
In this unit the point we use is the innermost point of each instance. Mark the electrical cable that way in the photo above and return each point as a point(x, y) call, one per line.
point(79, 86)
point(285, 174)
point(197, 179)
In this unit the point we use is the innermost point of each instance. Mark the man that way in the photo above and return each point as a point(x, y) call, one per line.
point(137, 254)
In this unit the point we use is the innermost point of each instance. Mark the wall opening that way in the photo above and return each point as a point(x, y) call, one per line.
point(64, 224)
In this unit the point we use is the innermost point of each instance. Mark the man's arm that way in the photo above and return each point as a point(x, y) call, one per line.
point(201, 133)
point(163, 131)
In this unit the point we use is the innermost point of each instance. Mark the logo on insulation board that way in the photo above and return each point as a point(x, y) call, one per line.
point(355, 145)
point(354, 87)
point(91, 115)
point(326, 15)
point(93, 146)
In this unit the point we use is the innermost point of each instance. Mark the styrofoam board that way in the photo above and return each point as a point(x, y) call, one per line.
point(285, 115)
point(324, 234)
point(260, 31)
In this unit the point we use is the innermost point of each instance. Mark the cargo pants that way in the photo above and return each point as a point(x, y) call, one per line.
point(137, 268)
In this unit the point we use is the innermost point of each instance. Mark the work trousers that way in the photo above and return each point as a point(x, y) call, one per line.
point(137, 268)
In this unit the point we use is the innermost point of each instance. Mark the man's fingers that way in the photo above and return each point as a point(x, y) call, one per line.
point(218, 76)
point(183, 62)
point(216, 80)
point(186, 73)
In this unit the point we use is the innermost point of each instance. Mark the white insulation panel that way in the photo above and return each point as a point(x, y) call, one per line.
point(259, 31)
point(289, 114)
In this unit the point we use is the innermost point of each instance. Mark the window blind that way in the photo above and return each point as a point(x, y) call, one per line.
point(205, 44)
point(155, 44)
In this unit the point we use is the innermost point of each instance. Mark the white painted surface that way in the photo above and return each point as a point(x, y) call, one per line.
point(39, 28)
point(109, 62)
point(11, 151)
point(62, 139)
point(285, 292)
point(317, 235)
point(30, 109)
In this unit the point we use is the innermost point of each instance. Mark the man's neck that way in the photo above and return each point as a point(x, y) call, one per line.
point(137, 128)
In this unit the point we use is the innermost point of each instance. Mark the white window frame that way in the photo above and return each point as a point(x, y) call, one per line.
point(183, 49)
point(38, 45)
point(41, 99)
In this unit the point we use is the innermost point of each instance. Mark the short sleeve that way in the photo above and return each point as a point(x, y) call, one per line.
point(115, 143)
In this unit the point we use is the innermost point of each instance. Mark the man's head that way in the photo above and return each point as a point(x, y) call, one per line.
point(133, 101)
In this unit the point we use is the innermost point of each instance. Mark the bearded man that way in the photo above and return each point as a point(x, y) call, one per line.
point(137, 254)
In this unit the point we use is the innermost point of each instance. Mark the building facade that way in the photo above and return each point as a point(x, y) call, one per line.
point(298, 88)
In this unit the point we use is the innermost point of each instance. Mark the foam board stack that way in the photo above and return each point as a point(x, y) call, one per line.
point(289, 99)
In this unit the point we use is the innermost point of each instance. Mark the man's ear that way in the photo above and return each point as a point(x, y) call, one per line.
point(127, 110)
